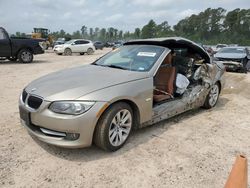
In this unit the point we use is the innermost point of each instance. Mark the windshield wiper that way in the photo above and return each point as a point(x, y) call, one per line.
point(115, 66)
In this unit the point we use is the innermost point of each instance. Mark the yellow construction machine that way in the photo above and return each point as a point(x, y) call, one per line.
point(43, 33)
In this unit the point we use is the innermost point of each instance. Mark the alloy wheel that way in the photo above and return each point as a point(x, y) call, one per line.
point(213, 95)
point(120, 127)
point(26, 56)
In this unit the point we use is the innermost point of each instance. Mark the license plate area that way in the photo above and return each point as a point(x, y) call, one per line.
point(24, 115)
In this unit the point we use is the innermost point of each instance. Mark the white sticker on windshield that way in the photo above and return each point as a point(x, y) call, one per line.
point(147, 54)
point(141, 68)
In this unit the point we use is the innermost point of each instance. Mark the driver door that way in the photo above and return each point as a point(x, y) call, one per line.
point(76, 46)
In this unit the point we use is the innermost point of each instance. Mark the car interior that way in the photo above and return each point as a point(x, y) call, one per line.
point(184, 61)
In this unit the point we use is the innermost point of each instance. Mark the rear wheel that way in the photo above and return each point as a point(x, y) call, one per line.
point(67, 51)
point(90, 51)
point(212, 96)
point(25, 56)
point(114, 127)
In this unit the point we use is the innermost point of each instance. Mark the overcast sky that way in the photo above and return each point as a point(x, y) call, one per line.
point(70, 15)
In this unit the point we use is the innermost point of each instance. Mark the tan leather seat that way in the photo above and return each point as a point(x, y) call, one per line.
point(164, 80)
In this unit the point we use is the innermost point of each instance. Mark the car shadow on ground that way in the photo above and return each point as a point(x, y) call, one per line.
point(6, 62)
point(137, 138)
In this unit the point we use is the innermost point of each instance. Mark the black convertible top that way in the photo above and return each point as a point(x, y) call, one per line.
point(173, 42)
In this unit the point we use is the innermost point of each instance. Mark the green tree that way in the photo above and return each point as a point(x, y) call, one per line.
point(97, 33)
point(103, 34)
point(120, 35)
point(76, 35)
point(84, 32)
point(91, 33)
point(163, 29)
point(149, 30)
point(137, 33)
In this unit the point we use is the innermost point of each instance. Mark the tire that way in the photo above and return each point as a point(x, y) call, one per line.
point(59, 54)
point(12, 58)
point(212, 97)
point(82, 53)
point(111, 135)
point(90, 51)
point(25, 56)
point(67, 51)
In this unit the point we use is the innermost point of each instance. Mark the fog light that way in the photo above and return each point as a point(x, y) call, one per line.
point(72, 136)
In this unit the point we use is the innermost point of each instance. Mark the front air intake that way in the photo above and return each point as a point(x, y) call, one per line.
point(34, 102)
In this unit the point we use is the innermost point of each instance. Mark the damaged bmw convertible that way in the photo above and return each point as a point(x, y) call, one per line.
point(136, 85)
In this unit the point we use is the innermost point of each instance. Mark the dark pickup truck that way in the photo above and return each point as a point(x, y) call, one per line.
point(22, 49)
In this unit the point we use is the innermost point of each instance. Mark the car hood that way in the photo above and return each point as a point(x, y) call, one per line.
point(230, 55)
point(70, 84)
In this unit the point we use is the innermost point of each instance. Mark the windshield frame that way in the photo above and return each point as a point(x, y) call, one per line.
point(70, 42)
point(159, 55)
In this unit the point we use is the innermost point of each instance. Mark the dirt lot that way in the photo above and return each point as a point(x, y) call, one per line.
point(196, 149)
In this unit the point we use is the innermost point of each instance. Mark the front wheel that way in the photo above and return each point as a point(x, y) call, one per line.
point(114, 127)
point(212, 96)
point(25, 56)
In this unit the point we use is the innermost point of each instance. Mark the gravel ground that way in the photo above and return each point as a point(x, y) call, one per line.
point(195, 149)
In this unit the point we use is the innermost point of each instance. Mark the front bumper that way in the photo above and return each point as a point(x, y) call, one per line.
point(233, 66)
point(58, 50)
point(83, 124)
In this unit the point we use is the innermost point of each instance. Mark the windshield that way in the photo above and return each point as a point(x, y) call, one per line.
point(70, 41)
point(232, 50)
point(133, 57)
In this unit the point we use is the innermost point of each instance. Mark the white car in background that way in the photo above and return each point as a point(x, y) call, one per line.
point(218, 47)
point(75, 46)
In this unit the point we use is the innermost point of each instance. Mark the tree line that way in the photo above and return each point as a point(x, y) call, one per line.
point(210, 26)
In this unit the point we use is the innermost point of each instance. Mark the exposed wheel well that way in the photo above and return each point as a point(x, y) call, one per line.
point(136, 112)
point(25, 48)
point(134, 107)
point(219, 85)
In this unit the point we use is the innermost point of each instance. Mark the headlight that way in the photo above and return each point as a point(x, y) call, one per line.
point(70, 107)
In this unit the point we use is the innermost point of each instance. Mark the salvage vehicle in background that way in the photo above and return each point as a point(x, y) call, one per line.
point(218, 47)
point(75, 46)
point(139, 84)
point(117, 44)
point(58, 42)
point(19, 48)
point(234, 58)
point(99, 45)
